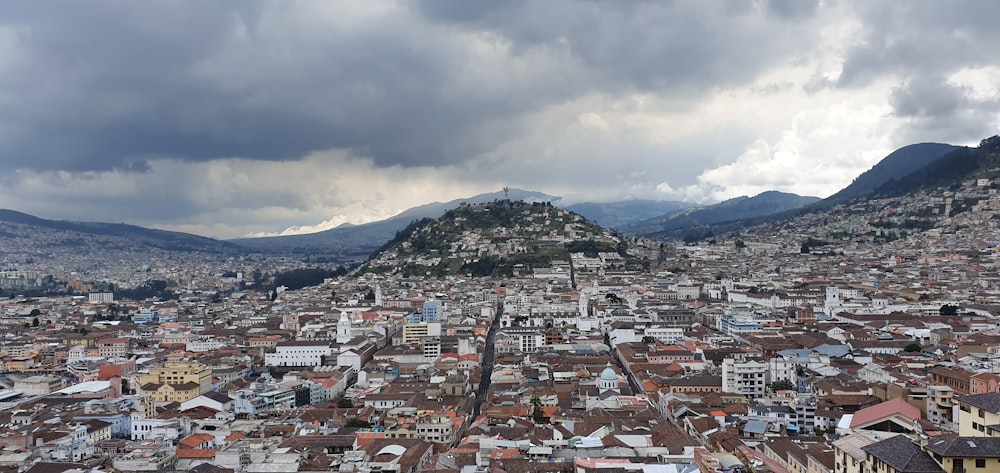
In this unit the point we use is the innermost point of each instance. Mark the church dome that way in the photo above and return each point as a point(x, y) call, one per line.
point(609, 374)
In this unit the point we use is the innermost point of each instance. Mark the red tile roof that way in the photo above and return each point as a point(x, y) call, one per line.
point(196, 453)
point(886, 409)
point(194, 440)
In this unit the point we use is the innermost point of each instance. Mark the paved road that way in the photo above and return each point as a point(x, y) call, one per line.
point(489, 354)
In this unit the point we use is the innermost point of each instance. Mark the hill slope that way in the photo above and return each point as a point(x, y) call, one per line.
point(901, 162)
point(739, 208)
point(134, 235)
point(891, 169)
point(959, 165)
point(495, 239)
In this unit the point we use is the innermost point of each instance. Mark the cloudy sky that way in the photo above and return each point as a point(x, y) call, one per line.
point(229, 118)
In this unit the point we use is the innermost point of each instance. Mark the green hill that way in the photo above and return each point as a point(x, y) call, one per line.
point(494, 239)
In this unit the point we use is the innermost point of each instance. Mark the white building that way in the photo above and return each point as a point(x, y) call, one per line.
point(298, 353)
point(748, 377)
point(344, 329)
point(667, 335)
point(100, 297)
point(519, 340)
point(350, 358)
point(204, 346)
point(159, 429)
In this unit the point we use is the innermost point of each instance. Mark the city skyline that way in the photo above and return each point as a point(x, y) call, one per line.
point(234, 118)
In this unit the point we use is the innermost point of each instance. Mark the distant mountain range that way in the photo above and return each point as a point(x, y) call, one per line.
point(896, 174)
point(129, 234)
point(907, 169)
point(625, 213)
point(765, 203)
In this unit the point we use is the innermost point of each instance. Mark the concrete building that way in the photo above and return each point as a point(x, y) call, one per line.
point(745, 376)
point(414, 331)
point(979, 415)
point(39, 385)
point(178, 373)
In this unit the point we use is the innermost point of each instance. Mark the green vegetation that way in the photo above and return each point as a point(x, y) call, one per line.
point(299, 278)
point(403, 235)
point(782, 385)
point(157, 288)
point(591, 248)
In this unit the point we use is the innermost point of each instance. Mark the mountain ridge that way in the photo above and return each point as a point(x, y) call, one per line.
point(763, 204)
point(895, 166)
point(899, 163)
point(162, 239)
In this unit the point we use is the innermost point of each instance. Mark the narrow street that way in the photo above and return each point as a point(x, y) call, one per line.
point(489, 355)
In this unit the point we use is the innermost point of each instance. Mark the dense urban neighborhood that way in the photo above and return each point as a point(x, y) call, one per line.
point(549, 236)
point(861, 339)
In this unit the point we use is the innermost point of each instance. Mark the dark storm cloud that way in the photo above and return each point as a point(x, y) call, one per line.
point(110, 85)
point(935, 110)
point(661, 46)
point(928, 97)
point(921, 38)
point(102, 85)
point(792, 9)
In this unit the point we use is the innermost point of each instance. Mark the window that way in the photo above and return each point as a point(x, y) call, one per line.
point(980, 463)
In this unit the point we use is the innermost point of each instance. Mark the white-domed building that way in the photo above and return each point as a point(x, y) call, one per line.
point(608, 381)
